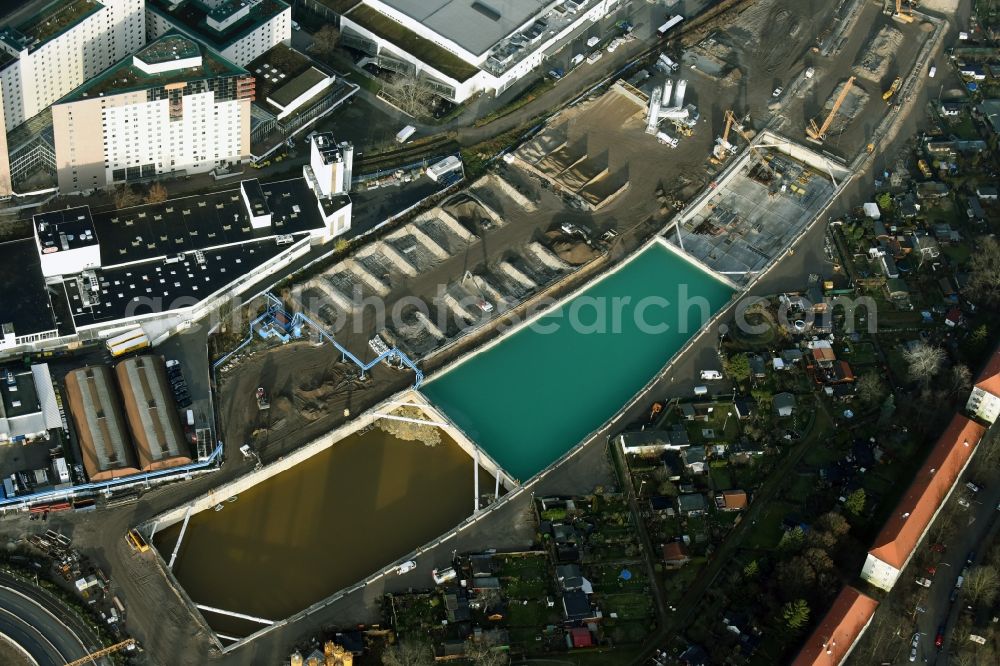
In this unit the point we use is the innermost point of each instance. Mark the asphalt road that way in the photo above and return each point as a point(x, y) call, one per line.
point(979, 526)
point(25, 620)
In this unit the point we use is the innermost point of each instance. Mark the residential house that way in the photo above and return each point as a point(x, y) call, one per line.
point(987, 192)
point(841, 628)
point(974, 210)
point(731, 500)
point(924, 247)
point(897, 291)
point(692, 504)
point(990, 110)
point(563, 533)
point(984, 401)
point(580, 637)
point(908, 207)
point(954, 317)
point(675, 555)
point(784, 404)
point(576, 606)
point(791, 356)
point(931, 487)
point(662, 504)
point(840, 392)
point(570, 577)
point(972, 72)
point(822, 353)
point(743, 407)
point(482, 565)
point(694, 459)
point(456, 606)
point(950, 109)
point(758, 370)
point(644, 442)
point(933, 189)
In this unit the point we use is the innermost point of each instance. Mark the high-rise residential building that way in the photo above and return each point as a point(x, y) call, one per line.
point(174, 107)
point(240, 30)
point(5, 184)
point(62, 46)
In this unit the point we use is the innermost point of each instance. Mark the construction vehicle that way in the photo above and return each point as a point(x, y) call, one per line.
point(262, 402)
point(722, 145)
point(136, 541)
point(818, 133)
point(870, 148)
point(893, 89)
point(92, 658)
point(901, 15)
point(749, 139)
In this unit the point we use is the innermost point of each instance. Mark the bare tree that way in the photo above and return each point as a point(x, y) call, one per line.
point(984, 274)
point(961, 378)
point(411, 94)
point(486, 651)
point(982, 585)
point(325, 40)
point(123, 196)
point(408, 653)
point(923, 361)
point(871, 388)
point(157, 193)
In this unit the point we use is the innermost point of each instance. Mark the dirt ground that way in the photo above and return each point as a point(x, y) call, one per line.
point(309, 389)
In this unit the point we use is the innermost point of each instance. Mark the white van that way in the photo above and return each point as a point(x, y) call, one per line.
point(701, 390)
point(711, 375)
point(932, 71)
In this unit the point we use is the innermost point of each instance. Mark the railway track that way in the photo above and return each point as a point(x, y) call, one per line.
point(433, 147)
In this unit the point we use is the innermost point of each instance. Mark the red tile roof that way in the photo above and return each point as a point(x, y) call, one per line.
point(735, 499)
point(840, 629)
point(674, 552)
point(989, 378)
point(913, 514)
point(581, 637)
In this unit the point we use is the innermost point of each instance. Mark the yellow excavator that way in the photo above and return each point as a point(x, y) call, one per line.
point(893, 89)
point(903, 14)
point(818, 133)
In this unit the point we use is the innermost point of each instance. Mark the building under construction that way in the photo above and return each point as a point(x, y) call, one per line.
point(101, 430)
point(126, 426)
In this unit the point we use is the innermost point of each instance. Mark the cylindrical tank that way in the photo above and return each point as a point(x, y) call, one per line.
point(679, 93)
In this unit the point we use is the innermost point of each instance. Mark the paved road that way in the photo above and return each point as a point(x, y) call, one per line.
point(26, 618)
point(979, 526)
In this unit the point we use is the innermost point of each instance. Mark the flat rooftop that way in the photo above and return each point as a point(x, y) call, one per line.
point(192, 15)
point(275, 68)
point(201, 222)
point(19, 398)
point(170, 47)
point(425, 50)
point(125, 76)
point(475, 25)
point(62, 230)
point(297, 87)
point(26, 303)
point(157, 286)
point(50, 22)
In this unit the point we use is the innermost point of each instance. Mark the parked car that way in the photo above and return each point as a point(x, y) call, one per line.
point(406, 567)
point(710, 375)
point(924, 582)
point(939, 639)
point(777, 92)
point(973, 487)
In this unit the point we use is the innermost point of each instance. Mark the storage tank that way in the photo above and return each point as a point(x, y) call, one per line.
point(679, 94)
point(668, 90)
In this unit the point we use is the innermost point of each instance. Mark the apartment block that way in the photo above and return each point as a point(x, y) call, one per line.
point(61, 47)
point(174, 107)
point(240, 30)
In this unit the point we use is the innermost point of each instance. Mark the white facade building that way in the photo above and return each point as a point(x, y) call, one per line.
point(172, 107)
point(63, 46)
point(467, 46)
point(984, 405)
point(240, 30)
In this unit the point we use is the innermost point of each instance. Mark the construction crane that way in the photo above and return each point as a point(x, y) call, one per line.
point(111, 649)
point(893, 89)
point(722, 145)
point(906, 17)
point(749, 139)
point(819, 133)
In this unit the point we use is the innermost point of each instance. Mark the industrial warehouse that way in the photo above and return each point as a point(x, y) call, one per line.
point(126, 421)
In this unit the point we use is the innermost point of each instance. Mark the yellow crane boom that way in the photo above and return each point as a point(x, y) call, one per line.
point(722, 145)
point(94, 656)
point(819, 133)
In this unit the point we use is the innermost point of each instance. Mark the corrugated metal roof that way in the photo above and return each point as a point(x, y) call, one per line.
point(46, 396)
